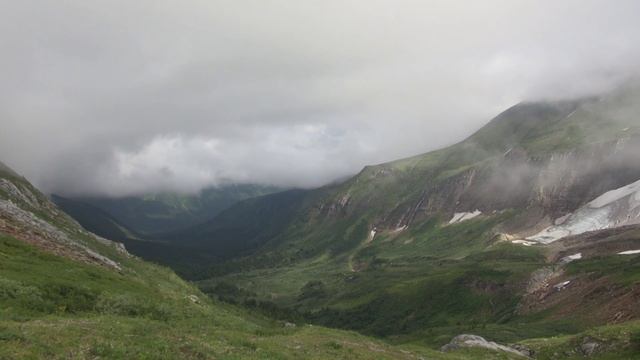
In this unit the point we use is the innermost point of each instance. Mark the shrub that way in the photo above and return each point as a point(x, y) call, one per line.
point(27, 297)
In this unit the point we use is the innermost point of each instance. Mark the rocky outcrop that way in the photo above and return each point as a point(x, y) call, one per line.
point(29, 216)
point(23, 195)
point(28, 227)
point(475, 341)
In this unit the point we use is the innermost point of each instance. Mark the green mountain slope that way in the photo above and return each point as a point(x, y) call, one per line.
point(183, 259)
point(244, 227)
point(94, 219)
point(541, 160)
point(387, 253)
point(166, 212)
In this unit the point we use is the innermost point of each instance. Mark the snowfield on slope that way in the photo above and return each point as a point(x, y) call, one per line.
point(629, 252)
point(462, 216)
point(612, 209)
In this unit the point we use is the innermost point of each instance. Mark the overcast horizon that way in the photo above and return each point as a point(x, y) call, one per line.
point(120, 98)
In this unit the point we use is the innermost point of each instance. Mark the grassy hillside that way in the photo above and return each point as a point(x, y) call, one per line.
point(51, 307)
point(56, 308)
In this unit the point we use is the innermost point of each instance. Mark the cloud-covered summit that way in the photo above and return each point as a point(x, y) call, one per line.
point(123, 97)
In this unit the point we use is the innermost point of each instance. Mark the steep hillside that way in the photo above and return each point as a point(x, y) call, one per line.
point(450, 241)
point(539, 161)
point(244, 227)
point(66, 293)
point(94, 219)
point(166, 212)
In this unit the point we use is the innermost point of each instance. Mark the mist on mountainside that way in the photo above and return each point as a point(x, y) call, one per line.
point(175, 98)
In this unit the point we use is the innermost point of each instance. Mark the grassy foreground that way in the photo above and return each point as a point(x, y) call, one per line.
point(54, 308)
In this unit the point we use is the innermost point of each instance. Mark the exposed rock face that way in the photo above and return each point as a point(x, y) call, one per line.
point(30, 228)
point(471, 341)
point(29, 216)
point(590, 346)
point(564, 294)
point(23, 194)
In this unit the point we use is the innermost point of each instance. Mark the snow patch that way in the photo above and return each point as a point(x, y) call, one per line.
point(612, 209)
point(462, 216)
point(615, 195)
point(578, 223)
point(399, 229)
point(561, 285)
point(475, 341)
point(629, 252)
point(524, 242)
point(570, 258)
point(562, 219)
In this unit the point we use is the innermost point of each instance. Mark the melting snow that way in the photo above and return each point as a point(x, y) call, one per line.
point(561, 285)
point(399, 229)
point(612, 209)
point(459, 217)
point(523, 242)
point(615, 195)
point(562, 219)
point(570, 258)
point(629, 252)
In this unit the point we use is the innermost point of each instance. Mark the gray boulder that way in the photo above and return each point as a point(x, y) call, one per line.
point(475, 341)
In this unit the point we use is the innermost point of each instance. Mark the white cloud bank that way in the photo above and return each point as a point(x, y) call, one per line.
point(121, 97)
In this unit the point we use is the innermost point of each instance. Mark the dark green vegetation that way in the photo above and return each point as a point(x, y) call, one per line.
point(401, 287)
point(165, 212)
point(150, 226)
point(51, 307)
point(95, 220)
point(241, 228)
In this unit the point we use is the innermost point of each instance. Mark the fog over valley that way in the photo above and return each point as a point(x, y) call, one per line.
point(122, 98)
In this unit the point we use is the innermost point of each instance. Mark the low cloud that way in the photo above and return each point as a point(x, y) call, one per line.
point(126, 97)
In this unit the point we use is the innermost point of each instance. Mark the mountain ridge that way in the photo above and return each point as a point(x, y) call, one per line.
point(456, 167)
point(452, 223)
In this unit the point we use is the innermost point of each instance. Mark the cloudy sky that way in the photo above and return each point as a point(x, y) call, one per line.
point(124, 97)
